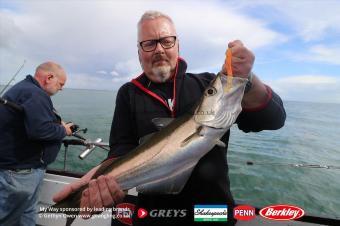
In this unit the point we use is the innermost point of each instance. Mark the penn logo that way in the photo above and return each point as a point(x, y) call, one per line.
point(244, 212)
point(282, 212)
point(123, 212)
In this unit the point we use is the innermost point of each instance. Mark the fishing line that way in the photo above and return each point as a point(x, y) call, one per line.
point(16, 73)
point(298, 165)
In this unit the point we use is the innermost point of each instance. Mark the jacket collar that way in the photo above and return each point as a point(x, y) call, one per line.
point(142, 82)
point(31, 79)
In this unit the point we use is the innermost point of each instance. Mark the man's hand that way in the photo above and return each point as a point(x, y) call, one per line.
point(102, 192)
point(242, 59)
point(67, 127)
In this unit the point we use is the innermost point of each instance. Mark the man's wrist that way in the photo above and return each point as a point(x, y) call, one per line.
point(249, 84)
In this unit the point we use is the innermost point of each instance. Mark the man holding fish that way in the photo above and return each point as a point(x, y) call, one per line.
point(185, 162)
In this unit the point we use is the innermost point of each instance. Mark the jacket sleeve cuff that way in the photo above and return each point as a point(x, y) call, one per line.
point(264, 104)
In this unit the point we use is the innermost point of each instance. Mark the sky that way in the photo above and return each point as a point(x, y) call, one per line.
point(296, 42)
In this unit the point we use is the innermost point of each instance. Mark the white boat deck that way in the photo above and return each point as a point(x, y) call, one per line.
point(52, 184)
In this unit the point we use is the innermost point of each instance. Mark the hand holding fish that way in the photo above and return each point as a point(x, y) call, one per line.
point(242, 59)
point(241, 65)
point(101, 192)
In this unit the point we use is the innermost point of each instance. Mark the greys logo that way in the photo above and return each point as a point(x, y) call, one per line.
point(167, 213)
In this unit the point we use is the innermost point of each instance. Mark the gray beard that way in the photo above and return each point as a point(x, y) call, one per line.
point(162, 72)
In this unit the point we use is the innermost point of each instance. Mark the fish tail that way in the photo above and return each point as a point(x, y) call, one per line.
point(69, 206)
point(70, 220)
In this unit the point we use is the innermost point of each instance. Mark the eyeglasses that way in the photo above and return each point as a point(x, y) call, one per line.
point(166, 43)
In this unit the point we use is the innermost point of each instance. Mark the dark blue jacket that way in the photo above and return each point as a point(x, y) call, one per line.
point(32, 138)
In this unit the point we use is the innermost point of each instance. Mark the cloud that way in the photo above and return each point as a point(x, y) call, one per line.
point(311, 20)
point(95, 41)
point(9, 30)
point(102, 34)
point(308, 80)
point(114, 73)
point(321, 53)
point(313, 88)
point(221, 24)
point(102, 72)
point(129, 66)
point(89, 81)
point(204, 32)
point(314, 19)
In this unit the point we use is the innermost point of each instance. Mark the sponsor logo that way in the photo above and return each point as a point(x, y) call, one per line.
point(282, 212)
point(142, 213)
point(123, 212)
point(161, 213)
point(206, 213)
point(168, 213)
point(244, 212)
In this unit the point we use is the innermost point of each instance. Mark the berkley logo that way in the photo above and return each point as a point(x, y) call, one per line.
point(282, 212)
point(244, 212)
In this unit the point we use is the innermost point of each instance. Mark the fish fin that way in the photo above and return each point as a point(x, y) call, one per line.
point(160, 123)
point(220, 143)
point(169, 185)
point(142, 140)
point(195, 134)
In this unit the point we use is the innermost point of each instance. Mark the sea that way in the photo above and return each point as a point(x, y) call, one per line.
point(263, 167)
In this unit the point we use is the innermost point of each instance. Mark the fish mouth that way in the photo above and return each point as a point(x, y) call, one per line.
point(227, 104)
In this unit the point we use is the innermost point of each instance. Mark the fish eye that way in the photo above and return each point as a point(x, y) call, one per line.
point(211, 91)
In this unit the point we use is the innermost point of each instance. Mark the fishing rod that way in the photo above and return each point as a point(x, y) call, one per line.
point(16, 73)
point(89, 147)
point(298, 165)
point(87, 143)
point(11, 104)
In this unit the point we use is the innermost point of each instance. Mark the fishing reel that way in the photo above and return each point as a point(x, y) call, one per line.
point(74, 128)
point(75, 133)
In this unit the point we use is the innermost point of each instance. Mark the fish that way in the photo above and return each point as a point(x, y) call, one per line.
point(163, 162)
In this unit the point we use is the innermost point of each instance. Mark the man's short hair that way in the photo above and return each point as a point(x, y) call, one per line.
point(151, 15)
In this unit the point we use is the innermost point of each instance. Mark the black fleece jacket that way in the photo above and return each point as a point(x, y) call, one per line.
point(140, 100)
